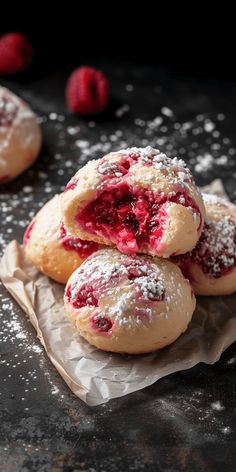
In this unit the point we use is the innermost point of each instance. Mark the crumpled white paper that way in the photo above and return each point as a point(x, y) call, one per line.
point(96, 376)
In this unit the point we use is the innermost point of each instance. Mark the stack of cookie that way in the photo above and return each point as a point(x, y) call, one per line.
point(133, 239)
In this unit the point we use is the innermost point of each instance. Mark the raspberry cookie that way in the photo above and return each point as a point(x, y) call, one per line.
point(124, 304)
point(20, 136)
point(211, 266)
point(138, 200)
point(50, 248)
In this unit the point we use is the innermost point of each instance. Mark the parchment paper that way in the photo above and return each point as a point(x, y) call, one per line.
point(96, 376)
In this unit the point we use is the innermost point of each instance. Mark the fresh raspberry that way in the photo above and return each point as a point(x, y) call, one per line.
point(15, 53)
point(87, 91)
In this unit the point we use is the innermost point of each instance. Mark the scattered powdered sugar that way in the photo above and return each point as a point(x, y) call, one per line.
point(226, 430)
point(209, 421)
point(129, 88)
point(36, 348)
point(217, 406)
point(211, 199)
point(122, 110)
point(231, 361)
point(222, 160)
point(209, 126)
point(204, 163)
point(167, 111)
point(19, 351)
point(82, 144)
point(152, 125)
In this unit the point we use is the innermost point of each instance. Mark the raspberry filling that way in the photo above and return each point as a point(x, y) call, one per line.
point(101, 323)
point(28, 232)
point(89, 289)
point(8, 111)
point(83, 248)
point(133, 219)
point(215, 251)
point(85, 297)
point(71, 184)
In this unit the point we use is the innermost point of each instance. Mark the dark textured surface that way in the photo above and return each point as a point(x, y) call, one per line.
point(184, 422)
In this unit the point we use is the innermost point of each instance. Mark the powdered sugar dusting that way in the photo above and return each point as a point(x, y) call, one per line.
point(8, 111)
point(151, 155)
point(151, 287)
point(216, 250)
point(119, 166)
point(217, 406)
point(108, 167)
point(19, 351)
point(210, 199)
point(130, 283)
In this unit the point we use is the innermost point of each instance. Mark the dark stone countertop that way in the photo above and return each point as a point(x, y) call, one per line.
point(185, 421)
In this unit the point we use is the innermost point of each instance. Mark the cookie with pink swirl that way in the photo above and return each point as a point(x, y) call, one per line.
point(128, 304)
